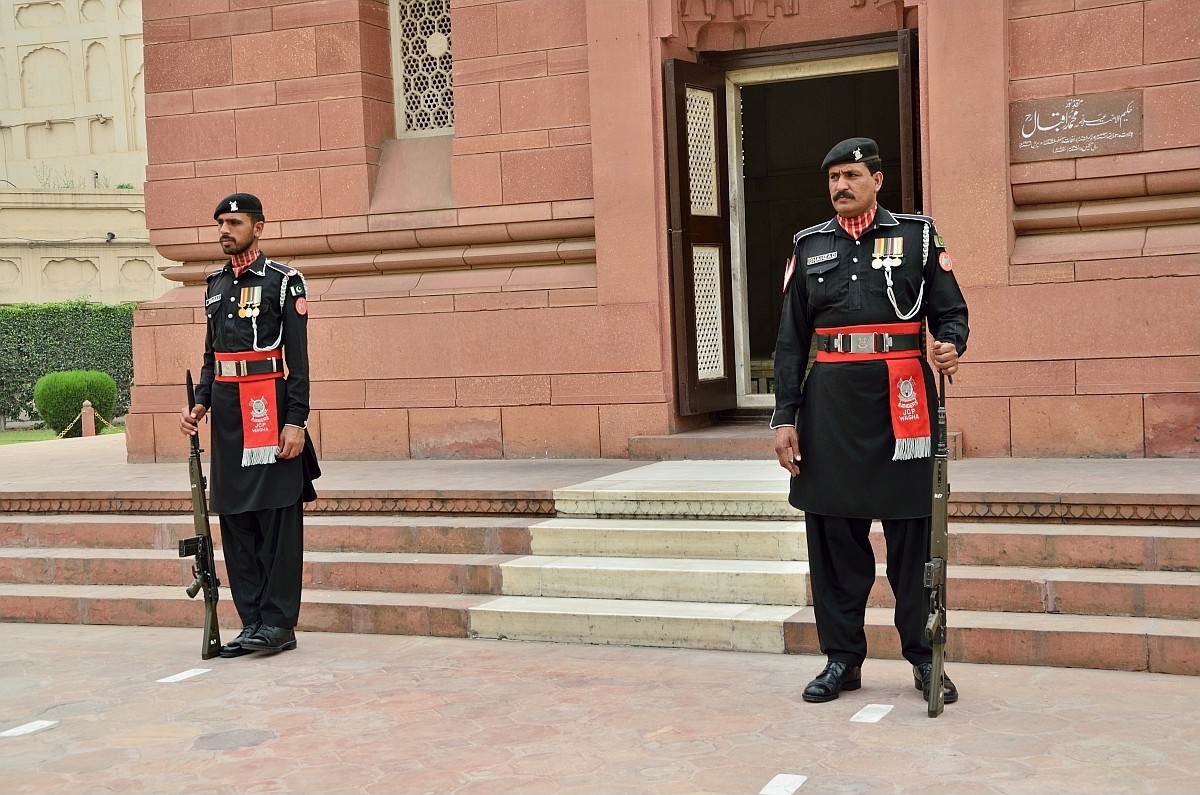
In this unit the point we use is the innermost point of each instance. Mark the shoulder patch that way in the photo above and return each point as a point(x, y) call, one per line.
point(937, 240)
point(286, 270)
point(914, 217)
point(822, 227)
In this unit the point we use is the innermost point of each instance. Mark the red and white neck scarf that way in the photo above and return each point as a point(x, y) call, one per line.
point(240, 262)
point(856, 226)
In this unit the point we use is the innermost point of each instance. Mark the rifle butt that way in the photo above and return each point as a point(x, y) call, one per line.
point(212, 631)
point(937, 696)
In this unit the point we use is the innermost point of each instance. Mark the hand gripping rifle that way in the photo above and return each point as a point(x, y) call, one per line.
point(201, 547)
point(935, 569)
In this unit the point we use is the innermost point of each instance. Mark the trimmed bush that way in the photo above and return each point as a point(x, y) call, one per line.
point(59, 398)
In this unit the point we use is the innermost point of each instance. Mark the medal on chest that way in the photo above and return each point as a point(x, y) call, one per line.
point(248, 304)
point(888, 253)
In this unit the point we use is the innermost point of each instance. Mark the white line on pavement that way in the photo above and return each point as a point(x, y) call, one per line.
point(783, 784)
point(28, 728)
point(871, 713)
point(188, 674)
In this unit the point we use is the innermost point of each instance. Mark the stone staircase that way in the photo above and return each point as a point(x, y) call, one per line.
point(661, 567)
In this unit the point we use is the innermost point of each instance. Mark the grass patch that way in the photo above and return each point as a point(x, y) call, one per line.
point(18, 435)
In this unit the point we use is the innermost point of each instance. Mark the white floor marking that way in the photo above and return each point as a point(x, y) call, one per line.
point(783, 784)
point(28, 728)
point(871, 713)
point(188, 674)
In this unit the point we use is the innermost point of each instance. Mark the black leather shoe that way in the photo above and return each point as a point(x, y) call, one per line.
point(234, 647)
point(921, 676)
point(836, 677)
point(271, 639)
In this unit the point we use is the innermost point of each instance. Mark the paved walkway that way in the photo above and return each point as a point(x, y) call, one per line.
point(394, 714)
point(98, 464)
point(401, 714)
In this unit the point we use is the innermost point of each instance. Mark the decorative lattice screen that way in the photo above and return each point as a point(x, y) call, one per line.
point(421, 44)
point(702, 151)
point(706, 265)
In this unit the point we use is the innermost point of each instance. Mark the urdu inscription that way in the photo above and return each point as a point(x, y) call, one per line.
point(1055, 128)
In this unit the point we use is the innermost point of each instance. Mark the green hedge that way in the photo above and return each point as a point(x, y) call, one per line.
point(59, 398)
point(37, 339)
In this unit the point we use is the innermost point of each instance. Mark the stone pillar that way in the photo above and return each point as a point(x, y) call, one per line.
point(87, 419)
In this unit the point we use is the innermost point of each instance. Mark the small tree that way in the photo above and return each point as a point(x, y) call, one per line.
point(59, 398)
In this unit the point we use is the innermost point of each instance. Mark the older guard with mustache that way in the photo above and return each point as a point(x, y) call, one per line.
point(855, 435)
point(255, 380)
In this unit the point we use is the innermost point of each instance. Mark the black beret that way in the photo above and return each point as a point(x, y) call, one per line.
point(851, 150)
point(239, 203)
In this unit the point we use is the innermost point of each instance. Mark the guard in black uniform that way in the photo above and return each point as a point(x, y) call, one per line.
point(856, 434)
point(255, 381)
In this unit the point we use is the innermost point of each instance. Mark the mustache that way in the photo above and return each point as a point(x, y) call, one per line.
point(843, 194)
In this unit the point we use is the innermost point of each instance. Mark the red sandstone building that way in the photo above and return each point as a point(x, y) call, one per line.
point(580, 239)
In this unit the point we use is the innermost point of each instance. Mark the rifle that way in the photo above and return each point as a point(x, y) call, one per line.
point(201, 546)
point(935, 569)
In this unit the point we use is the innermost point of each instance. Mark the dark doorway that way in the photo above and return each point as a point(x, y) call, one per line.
point(787, 128)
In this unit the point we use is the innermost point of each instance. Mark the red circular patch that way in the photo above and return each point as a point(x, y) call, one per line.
point(302, 305)
point(944, 262)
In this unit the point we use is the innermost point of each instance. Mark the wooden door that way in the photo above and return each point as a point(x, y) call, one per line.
point(698, 199)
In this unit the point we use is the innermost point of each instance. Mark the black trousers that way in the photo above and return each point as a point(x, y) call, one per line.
point(264, 561)
point(842, 571)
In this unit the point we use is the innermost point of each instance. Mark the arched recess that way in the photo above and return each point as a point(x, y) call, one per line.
point(92, 10)
point(137, 110)
point(99, 76)
point(46, 78)
point(41, 15)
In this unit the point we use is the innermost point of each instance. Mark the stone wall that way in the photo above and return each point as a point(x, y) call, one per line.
point(504, 291)
point(456, 301)
point(1089, 333)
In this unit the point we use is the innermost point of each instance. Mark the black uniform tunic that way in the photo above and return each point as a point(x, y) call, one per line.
point(842, 414)
point(235, 488)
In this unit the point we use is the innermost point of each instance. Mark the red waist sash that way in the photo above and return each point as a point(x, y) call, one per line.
point(906, 386)
point(259, 408)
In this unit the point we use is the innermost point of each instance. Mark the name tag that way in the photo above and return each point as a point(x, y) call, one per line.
point(212, 300)
point(821, 258)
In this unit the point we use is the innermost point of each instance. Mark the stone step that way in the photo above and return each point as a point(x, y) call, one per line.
point(629, 622)
point(723, 442)
point(658, 579)
point(670, 538)
point(1149, 547)
point(322, 533)
point(372, 499)
point(400, 572)
point(1088, 592)
point(1107, 546)
point(380, 612)
point(1107, 642)
point(1116, 643)
point(757, 489)
point(747, 438)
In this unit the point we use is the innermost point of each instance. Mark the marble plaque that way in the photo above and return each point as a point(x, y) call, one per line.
point(1081, 126)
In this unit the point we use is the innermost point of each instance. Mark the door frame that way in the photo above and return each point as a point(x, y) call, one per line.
point(873, 53)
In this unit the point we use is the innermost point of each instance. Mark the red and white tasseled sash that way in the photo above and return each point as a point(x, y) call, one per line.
point(259, 407)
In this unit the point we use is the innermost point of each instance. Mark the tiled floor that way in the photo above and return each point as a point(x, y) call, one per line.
point(388, 714)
